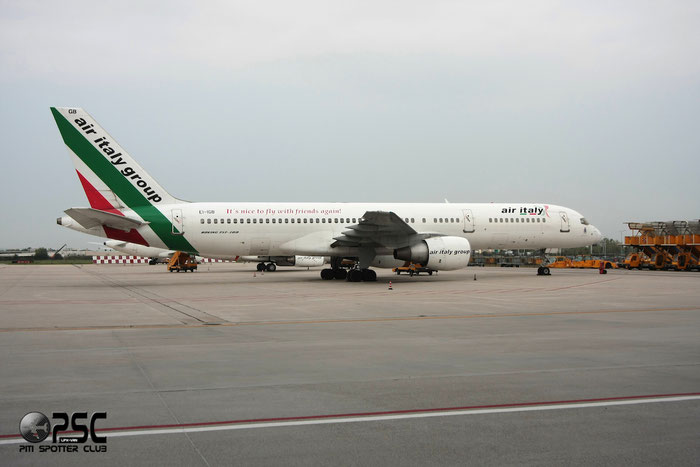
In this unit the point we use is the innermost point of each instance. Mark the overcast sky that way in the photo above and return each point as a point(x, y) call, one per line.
point(590, 105)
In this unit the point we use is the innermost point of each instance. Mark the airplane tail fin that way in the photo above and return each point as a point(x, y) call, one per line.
point(110, 177)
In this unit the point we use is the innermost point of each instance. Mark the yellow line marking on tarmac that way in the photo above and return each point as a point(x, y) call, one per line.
point(345, 320)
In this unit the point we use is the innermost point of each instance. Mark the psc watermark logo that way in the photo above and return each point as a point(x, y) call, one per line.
point(35, 427)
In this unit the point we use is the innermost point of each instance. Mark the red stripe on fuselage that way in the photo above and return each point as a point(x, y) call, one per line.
point(97, 201)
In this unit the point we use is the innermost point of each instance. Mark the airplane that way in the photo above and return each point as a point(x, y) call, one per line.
point(265, 263)
point(127, 204)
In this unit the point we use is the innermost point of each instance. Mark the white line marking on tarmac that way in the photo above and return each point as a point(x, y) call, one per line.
point(378, 418)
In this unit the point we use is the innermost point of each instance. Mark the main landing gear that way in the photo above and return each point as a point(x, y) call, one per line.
point(543, 271)
point(269, 267)
point(352, 275)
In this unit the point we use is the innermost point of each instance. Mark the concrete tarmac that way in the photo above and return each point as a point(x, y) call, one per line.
point(219, 367)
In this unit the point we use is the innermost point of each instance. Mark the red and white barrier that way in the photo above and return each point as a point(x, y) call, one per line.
point(120, 260)
point(144, 260)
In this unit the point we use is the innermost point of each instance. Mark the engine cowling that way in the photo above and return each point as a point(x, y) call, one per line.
point(439, 253)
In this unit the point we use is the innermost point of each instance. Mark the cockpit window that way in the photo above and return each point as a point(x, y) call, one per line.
point(584, 221)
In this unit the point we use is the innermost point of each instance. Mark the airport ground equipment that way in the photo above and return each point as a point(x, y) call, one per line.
point(182, 262)
point(561, 262)
point(413, 269)
point(664, 245)
point(581, 263)
point(636, 260)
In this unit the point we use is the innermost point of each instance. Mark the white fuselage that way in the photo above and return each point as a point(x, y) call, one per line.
point(277, 229)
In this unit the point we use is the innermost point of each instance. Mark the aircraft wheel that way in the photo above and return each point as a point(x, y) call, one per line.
point(340, 274)
point(354, 275)
point(272, 267)
point(546, 271)
point(368, 275)
point(260, 267)
point(327, 274)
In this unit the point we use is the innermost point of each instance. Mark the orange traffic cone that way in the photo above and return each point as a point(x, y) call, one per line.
point(390, 287)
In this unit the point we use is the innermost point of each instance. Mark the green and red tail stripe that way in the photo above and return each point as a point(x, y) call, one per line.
point(100, 160)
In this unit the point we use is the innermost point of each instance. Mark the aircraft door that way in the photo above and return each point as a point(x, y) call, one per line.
point(468, 221)
point(178, 222)
point(565, 227)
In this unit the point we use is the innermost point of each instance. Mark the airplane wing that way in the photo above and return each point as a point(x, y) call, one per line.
point(89, 218)
point(379, 228)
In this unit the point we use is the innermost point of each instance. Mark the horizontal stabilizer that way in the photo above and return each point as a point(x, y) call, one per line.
point(89, 218)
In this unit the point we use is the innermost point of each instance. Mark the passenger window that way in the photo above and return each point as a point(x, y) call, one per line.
point(255, 221)
point(305, 220)
point(318, 221)
point(413, 220)
point(544, 220)
point(292, 220)
point(354, 220)
point(424, 220)
point(274, 221)
point(235, 221)
point(202, 220)
point(247, 221)
point(208, 221)
point(441, 220)
point(286, 220)
point(323, 221)
point(335, 220)
point(228, 221)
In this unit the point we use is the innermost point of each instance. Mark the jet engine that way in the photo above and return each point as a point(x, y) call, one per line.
point(439, 253)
